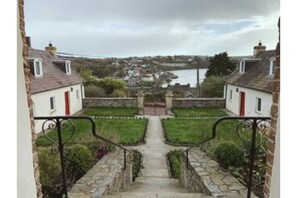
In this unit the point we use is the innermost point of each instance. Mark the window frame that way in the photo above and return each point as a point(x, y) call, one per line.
point(272, 66)
point(258, 105)
point(242, 67)
point(230, 94)
point(52, 103)
point(39, 66)
point(77, 94)
point(68, 67)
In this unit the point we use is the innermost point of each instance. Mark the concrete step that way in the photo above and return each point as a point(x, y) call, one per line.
point(156, 184)
point(153, 194)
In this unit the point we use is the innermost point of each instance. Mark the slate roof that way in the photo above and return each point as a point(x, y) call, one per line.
point(53, 76)
point(256, 75)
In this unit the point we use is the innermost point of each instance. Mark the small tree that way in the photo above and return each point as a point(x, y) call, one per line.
point(220, 65)
point(212, 87)
point(109, 84)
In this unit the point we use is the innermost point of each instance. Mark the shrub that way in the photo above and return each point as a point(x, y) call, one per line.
point(78, 160)
point(228, 154)
point(50, 169)
point(136, 165)
point(175, 163)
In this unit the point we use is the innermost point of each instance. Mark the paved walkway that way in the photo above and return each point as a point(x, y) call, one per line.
point(153, 181)
point(155, 150)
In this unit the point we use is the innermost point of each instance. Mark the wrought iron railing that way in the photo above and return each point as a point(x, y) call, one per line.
point(247, 130)
point(64, 122)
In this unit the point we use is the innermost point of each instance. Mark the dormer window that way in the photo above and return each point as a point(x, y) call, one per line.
point(64, 65)
point(68, 67)
point(36, 67)
point(247, 63)
point(242, 67)
point(272, 66)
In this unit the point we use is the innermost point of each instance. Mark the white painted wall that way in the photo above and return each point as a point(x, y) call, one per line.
point(41, 103)
point(275, 178)
point(250, 101)
point(26, 186)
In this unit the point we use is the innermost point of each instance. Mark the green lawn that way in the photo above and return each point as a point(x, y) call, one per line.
point(198, 112)
point(193, 131)
point(111, 111)
point(124, 131)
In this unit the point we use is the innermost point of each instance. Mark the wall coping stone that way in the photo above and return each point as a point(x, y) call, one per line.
point(105, 177)
point(205, 175)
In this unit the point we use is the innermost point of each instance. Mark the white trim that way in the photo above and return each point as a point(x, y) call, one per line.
point(242, 67)
point(230, 94)
point(38, 66)
point(272, 66)
point(68, 67)
point(54, 104)
point(257, 104)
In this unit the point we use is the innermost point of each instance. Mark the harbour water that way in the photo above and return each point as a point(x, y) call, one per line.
point(187, 76)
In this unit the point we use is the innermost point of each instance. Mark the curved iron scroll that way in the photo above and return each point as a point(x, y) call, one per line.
point(247, 130)
point(64, 122)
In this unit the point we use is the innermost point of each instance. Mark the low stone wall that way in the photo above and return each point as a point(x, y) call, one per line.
point(104, 177)
point(109, 102)
point(206, 176)
point(198, 102)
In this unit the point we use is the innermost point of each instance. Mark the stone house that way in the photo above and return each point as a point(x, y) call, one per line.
point(56, 89)
point(249, 87)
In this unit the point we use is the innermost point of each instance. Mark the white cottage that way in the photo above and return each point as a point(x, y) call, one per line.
point(249, 88)
point(56, 89)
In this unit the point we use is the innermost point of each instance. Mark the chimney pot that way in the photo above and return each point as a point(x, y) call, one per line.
point(28, 41)
point(51, 49)
point(259, 48)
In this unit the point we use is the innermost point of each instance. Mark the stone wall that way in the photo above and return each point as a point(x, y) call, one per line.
point(27, 74)
point(198, 102)
point(204, 175)
point(104, 177)
point(109, 102)
point(274, 132)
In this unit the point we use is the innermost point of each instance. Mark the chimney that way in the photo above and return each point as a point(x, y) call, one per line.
point(28, 41)
point(51, 49)
point(259, 48)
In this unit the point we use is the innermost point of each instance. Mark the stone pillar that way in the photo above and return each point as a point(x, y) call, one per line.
point(140, 99)
point(168, 98)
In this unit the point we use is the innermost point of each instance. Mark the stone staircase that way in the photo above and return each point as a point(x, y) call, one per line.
point(160, 187)
point(154, 179)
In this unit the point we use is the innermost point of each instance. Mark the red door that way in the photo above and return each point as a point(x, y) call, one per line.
point(67, 107)
point(242, 104)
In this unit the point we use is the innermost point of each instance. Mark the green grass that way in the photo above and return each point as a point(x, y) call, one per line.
point(124, 131)
point(111, 111)
point(175, 163)
point(198, 112)
point(192, 131)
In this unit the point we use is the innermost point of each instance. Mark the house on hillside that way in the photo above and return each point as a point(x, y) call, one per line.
point(249, 87)
point(56, 89)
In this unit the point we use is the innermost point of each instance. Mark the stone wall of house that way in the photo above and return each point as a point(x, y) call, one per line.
point(28, 90)
point(272, 165)
point(109, 102)
point(105, 177)
point(198, 102)
point(204, 175)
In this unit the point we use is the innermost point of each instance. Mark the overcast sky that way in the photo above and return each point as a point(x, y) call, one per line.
point(122, 28)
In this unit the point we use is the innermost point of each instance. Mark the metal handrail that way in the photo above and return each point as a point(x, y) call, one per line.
point(253, 145)
point(58, 125)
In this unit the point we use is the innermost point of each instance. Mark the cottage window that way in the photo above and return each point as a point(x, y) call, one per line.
point(52, 103)
point(77, 94)
point(230, 94)
point(272, 67)
point(68, 67)
point(38, 68)
point(242, 67)
point(258, 104)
